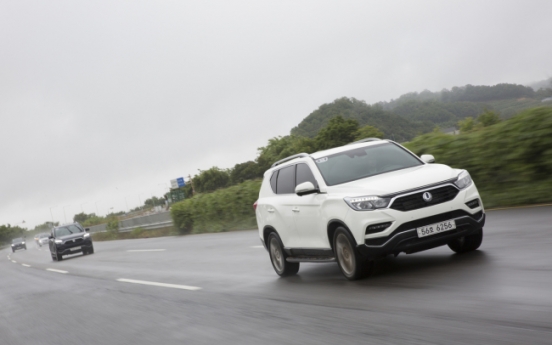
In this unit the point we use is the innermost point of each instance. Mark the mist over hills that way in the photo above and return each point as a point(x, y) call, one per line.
point(416, 113)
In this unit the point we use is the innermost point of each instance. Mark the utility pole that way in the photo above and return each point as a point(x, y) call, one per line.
point(192, 184)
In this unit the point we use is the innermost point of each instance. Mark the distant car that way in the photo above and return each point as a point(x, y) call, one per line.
point(18, 243)
point(70, 239)
point(42, 239)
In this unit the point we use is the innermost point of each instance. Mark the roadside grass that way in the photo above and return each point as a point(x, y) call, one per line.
point(135, 234)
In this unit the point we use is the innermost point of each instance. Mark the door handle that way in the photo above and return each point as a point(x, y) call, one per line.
point(295, 209)
point(271, 210)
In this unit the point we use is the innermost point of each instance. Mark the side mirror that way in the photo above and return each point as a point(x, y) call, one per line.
point(428, 158)
point(87, 229)
point(50, 237)
point(305, 188)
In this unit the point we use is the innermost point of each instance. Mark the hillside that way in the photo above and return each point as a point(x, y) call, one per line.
point(392, 125)
point(415, 113)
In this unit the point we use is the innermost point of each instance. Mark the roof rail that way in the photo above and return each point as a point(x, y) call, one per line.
point(364, 141)
point(299, 155)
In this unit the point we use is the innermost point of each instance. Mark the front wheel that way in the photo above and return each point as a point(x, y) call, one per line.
point(278, 257)
point(352, 264)
point(467, 243)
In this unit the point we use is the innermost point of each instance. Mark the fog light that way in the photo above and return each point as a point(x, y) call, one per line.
point(473, 204)
point(372, 229)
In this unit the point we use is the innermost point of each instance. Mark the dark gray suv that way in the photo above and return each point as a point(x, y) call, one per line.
point(70, 239)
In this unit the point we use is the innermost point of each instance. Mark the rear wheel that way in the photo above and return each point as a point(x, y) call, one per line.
point(352, 264)
point(467, 243)
point(278, 257)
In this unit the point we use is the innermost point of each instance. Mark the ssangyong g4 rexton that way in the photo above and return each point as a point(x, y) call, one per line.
point(362, 201)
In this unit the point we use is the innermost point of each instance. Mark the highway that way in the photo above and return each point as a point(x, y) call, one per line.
point(221, 288)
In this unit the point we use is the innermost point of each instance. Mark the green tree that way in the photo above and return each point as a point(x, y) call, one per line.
point(466, 125)
point(244, 171)
point(82, 217)
point(45, 227)
point(368, 132)
point(338, 132)
point(488, 118)
point(211, 180)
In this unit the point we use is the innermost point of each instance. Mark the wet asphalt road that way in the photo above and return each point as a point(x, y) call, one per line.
point(501, 294)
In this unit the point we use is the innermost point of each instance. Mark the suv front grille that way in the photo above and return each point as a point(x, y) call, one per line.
point(416, 201)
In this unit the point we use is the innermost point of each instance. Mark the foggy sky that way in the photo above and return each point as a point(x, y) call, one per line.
point(103, 102)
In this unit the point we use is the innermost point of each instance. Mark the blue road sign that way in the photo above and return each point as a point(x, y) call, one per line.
point(180, 182)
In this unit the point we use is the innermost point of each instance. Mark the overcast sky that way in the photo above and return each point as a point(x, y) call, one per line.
point(102, 103)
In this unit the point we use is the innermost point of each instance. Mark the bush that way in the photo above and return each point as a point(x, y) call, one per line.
point(225, 209)
point(112, 224)
point(510, 161)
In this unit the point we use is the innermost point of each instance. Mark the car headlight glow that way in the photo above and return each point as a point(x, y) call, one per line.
point(367, 203)
point(464, 180)
point(22, 242)
point(58, 241)
point(86, 235)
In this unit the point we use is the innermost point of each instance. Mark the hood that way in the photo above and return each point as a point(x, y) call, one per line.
point(397, 181)
point(72, 236)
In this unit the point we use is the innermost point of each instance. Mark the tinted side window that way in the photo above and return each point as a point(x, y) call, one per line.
point(286, 180)
point(273, 181)
point(304, 174)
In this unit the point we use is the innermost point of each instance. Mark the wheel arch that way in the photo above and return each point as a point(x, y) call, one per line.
point(332, 227)
point(266, 232)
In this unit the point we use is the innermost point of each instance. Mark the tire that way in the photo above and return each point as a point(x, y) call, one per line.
point(468, 243)
point(350, 262)
point(91, 251)
point(278, 257)
point(13, 250)
point(25, 247)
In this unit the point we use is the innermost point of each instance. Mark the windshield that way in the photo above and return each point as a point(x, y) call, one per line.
point(17, 240)
point(43, 235)
point(67, 230)
point(364, 162)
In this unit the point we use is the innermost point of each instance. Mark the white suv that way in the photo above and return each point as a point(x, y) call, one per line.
point(362, 201)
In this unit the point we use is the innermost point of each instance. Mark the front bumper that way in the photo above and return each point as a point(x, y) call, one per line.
point(74, 246)
point(18, 246)
point(75, 250)
point(405, 237)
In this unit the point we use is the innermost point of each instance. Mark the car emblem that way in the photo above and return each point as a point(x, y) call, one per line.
point(427, 196)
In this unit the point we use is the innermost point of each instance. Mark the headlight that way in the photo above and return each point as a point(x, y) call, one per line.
point(366, 203)
point(86, 235)
point(464, 180)
point(22, 242)
point(58, 241)
point(12, 245)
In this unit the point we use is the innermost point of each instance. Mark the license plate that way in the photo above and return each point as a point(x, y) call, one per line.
point(75, 248)
point(436, 228)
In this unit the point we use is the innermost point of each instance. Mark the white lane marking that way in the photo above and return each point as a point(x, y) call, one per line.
point(146, 250)
point(14, 261)
point(257, 246)
point(174, 286)
point(25, 265)
point(57, 271)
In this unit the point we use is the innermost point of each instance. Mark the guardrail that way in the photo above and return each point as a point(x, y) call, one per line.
point(149, 222)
